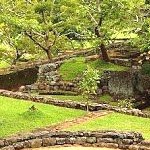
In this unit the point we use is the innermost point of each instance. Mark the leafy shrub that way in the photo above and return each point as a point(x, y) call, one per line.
point(146, 68)
point(88, 84)
point(126, 103)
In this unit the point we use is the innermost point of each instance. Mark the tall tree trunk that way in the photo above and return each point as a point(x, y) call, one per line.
point(49, 55)
point(102, 48)
point(104, 53)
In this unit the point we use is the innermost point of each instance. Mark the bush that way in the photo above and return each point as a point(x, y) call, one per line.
point(146, 68)
point(126, 103)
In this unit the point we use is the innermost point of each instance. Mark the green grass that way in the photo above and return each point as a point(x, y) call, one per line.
point(107, 99)
point(78, 98)
point(119, 122)
point(75, 67)
point(72, 68)
point(15, 116)
point(4, 64)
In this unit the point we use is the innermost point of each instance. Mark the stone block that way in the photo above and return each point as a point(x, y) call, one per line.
point(2, 143)
point(106, 140)
point(8, 148)
point(60, 141)
point(81, 140)
point(36, 143)
point(18, 146)
point(91, 140)
point(49, 142)
point(133, 147)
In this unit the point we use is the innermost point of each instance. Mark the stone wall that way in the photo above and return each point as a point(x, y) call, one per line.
point(120, 83)
point(110, 139)
point(72, 104)
point(49, 81)
point(13, 80)
point(124, 84)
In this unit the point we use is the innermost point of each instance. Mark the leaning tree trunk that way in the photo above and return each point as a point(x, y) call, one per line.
point(104, 53)
point(101, 48)
point(49, 55)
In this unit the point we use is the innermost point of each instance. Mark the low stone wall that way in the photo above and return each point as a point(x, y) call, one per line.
point(72, 104)
point(49, 80)
point(110, 139)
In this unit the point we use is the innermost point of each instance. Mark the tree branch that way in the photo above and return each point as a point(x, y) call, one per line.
point(35, 41)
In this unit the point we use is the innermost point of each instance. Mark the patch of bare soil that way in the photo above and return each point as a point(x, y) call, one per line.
point(72, 148)
point(67, 124)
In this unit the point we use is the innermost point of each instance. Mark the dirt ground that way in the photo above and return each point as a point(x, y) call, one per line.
point(72, 148)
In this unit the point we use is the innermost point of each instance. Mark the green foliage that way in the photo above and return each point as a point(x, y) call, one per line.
point(119, 122)
point(50, 28)
point(88, 83)
point(4, 64)
point(146, 68)
point(126, 103)
point(16, 114)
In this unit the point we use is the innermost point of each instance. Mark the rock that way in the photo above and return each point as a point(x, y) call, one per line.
point(105, 140)
point(8, 148)
point(60, 141)
point(70, 140)
point(36, 143)
point(19, 146)
point(49, 142)
point(91, 140)
point(1, 143)
point(81, 140)
point(133, 147)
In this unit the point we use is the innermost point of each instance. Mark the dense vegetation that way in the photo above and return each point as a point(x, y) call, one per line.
point(32, 29)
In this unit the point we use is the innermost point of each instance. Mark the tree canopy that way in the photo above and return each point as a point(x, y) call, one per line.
point(53, 25)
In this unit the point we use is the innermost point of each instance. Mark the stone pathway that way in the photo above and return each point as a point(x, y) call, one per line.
point(67, 124)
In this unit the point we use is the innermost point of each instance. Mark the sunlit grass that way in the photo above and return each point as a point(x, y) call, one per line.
point(118, 122)
point(15, 115)
point(76, 66)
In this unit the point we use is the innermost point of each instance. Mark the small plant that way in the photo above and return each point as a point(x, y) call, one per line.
point(32, 108)
point(88, 84)
point(126, 103)
point(146, 68)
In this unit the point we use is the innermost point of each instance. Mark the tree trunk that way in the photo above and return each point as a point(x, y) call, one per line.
point(101, 47)
point(49, 55)
point(104, 53)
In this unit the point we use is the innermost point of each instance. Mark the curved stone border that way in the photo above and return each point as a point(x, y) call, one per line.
point(72, 104)
point(110, 139)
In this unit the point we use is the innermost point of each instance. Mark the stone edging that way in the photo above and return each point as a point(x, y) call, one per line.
point(110, 139)
point(72, 104)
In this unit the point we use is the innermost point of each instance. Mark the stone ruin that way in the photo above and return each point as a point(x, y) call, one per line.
point(49, 81)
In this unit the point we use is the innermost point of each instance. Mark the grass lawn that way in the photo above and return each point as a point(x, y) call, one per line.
point(119, 122)
point(107, 99)
point(15, 115)
point(75, 66)
point(78, 98)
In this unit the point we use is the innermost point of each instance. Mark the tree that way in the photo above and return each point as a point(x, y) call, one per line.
point(16, 43)
point(105, 18)
point(88, 84)
point(43, 22)
point(142, 40)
